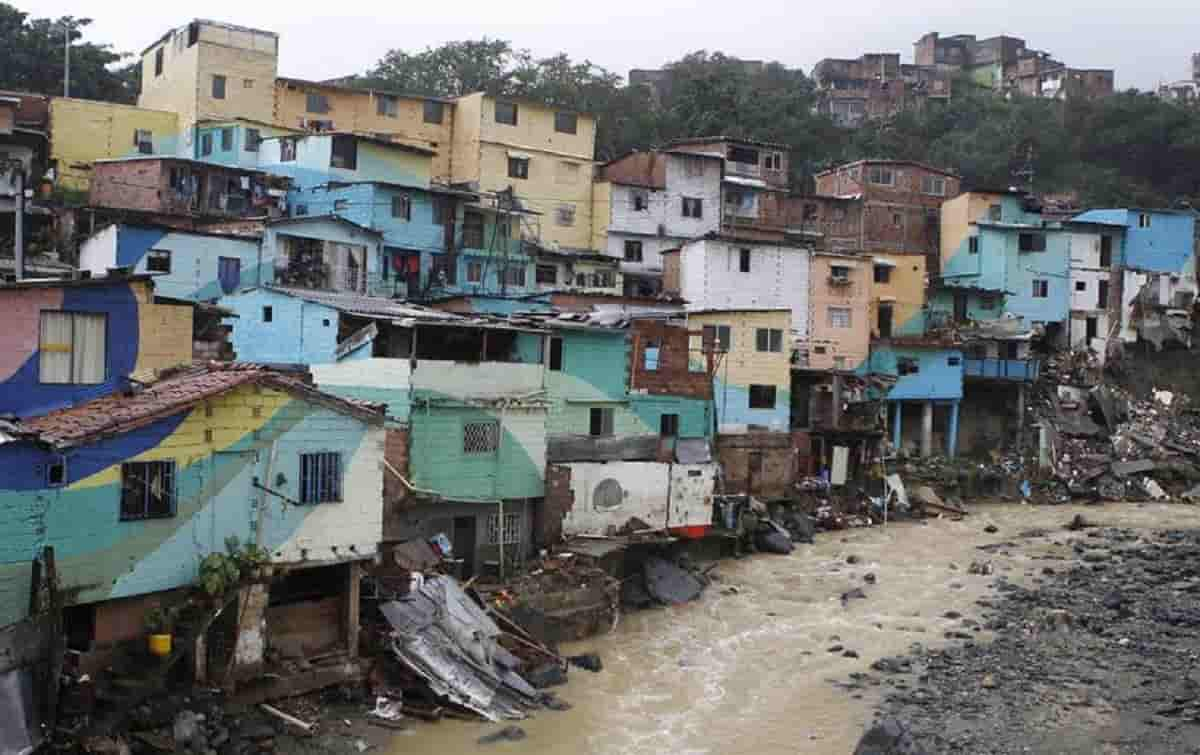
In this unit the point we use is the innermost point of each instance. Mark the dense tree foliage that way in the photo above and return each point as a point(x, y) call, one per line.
point(32, 59)
point(1129, 148)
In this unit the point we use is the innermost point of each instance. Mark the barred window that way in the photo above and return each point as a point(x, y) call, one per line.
point(512, 529)
point(321, 477)
point(147, 490)
point(481, 437)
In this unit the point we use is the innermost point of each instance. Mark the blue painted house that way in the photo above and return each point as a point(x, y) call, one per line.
point(133, 491)
point(69, 341)
point(1000, 257)
point(924, 402)
point(192, 265)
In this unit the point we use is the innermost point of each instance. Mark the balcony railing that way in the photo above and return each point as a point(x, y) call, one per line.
point(1025, 370)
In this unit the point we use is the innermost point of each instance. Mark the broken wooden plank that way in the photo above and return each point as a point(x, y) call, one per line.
point(288, 718)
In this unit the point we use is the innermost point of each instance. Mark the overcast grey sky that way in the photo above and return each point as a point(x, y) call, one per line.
point(1146, 42)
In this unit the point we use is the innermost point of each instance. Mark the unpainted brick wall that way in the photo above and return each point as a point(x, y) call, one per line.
point(672, 377)
point(396, 497)
point(558, 501)
point(773, 479)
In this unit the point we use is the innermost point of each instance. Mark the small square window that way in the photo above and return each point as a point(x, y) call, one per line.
point(340, 205)
point(769, 340)
point(693, 207)
point(954, 361)
point(315, 102)
point(641, 202)
point(325, 322)
point(546, 274)
point(600, 421)
point(387, 106)
point(481, 437)
point(995, 213)
point(1041, 289)
point(633, 251)
point(668, 425)
point(434, 111)
point(883, 274)
point(566, 123)
point(143, 139)
point(1031, 242)
point(247, 83)
point(321, 477)
point(762, 397)
point(518, 167)
point(1081, 285)
point(268, 314)
point(147, 490)
point(907, 366)
point(158, 261)
point(506, 113)
point(218, 87)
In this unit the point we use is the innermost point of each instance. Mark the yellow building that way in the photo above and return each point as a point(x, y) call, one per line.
point(421, 121)
point(544, 154)
point(958, 218)
point(82, 131)
point(209, 70)
point(752, 377)
point(897, 294)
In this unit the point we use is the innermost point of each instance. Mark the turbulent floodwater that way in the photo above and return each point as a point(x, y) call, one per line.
point(748, 671)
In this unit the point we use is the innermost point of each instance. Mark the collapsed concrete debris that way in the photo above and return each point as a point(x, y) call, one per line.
point(452, 643)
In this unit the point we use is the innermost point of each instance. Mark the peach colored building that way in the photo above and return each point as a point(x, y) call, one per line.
point(839, 299)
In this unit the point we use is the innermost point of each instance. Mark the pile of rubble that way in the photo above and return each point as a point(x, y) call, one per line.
point(1104, 443)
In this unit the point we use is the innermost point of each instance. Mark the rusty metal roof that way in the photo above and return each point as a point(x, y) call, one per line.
point(123, 412)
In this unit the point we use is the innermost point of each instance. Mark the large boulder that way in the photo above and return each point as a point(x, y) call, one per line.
point(888, 737)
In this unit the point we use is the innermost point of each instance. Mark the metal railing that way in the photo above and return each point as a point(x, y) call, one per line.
point(1003, 369)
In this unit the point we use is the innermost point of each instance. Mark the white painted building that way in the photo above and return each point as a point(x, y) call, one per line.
point(729, 274)
point(650, 202)
point(1094, 250)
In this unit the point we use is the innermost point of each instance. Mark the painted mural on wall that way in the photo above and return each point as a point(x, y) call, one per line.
point(136, 513)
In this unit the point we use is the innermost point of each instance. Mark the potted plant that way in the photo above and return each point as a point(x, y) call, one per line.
point(158, 625)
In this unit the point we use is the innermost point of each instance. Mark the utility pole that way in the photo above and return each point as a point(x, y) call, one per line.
point(67, 58)
point(19, 222)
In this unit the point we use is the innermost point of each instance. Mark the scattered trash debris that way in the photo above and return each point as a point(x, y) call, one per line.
point(772, 537)
point(669, 583)
point(587, 661)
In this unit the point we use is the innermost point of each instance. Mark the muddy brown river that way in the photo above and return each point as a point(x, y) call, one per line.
point(746, 669)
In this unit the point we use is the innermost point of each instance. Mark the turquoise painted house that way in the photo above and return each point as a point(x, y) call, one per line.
point(133, 491)
point(927, 392)
point(1001, 257)
point(191, 265)
point(1155, 241)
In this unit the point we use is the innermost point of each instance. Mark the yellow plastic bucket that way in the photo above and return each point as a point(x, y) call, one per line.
point(160, 644)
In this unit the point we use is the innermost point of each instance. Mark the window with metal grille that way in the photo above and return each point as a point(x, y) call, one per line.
point(321, 477)
point(481, 437)
point(147, 490)
point(839, 317)
point(566, 123)
point(402, 207)
point(444, 270)
point(72, 348)
point(158, 261)
point(506, 112)
point(762, 397)
point(433, 111)
point(511, 531)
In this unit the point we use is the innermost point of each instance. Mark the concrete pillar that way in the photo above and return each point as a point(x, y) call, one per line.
point(353, 594)
point(897, 427)
point(952, 438)
point(1020, 417)
point(251, 641)
point(927, 429)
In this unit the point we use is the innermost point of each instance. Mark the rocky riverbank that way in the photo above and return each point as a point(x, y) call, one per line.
point(1097, 654)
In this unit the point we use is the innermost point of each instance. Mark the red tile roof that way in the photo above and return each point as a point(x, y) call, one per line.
point(123, 412)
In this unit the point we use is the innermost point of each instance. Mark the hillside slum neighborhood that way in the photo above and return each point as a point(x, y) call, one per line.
point(306, 386)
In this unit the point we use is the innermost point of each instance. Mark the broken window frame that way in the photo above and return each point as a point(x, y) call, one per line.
point(320, 477)
point(761, 396)
point(147, 490)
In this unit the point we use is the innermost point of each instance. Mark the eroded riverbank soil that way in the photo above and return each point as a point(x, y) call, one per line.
point(1097, 654)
